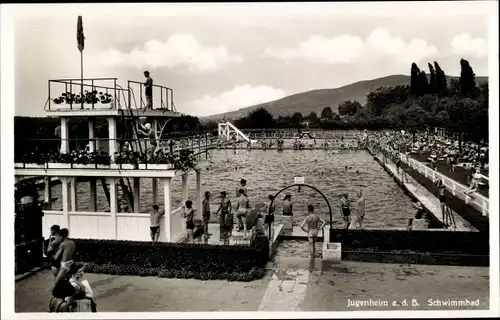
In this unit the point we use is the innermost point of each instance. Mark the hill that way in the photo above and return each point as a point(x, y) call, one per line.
point(316, 100)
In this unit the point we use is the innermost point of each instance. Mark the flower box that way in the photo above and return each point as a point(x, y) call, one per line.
point(34, 165)
point(18, 165)
point(126, 166)
point(164, 166)
point(143, 166)
point(83, 166)
point(103, 166)
point(113, 166)
point(55, 165)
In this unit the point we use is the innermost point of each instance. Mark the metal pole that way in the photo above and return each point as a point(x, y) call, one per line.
point(81, 76)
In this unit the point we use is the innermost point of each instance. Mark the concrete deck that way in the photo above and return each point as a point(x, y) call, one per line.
point(428, 200)
point(291, 284)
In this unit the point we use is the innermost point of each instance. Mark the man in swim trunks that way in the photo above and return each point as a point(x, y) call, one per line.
point(242, 206)
point(345, 210)
point(287, 206)
point(206, 213)
point(154, 220)
point(65, 253)
point(360, 209)
point(226, 222)
point(312, 221)
point(52, 248)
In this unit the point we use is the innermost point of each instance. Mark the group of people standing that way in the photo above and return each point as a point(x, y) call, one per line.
point(70, 292)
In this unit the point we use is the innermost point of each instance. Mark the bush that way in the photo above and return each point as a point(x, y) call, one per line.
point(473, 243)
point(175, 260)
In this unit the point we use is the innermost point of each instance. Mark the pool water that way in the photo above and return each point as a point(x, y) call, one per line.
point(267, 172)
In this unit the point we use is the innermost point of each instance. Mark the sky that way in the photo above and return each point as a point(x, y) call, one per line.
point(221, 57)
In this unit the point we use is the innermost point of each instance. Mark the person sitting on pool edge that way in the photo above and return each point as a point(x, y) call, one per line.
point(312, 221)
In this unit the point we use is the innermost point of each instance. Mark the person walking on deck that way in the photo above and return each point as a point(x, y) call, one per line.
point(154, 218)
point(148, 91)
point(206, 213)
point(312, 225)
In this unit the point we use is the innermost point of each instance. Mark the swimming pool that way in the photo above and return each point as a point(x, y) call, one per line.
point(269, 171)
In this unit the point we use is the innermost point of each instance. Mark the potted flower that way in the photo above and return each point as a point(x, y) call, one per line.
point(185, 161)
point(124, 160)
point(83, 160)
point(143, 161)
point(59, 160)
point(33, 160)
point(162, 161)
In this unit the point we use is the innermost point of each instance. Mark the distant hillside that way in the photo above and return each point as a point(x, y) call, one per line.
point(316, 100)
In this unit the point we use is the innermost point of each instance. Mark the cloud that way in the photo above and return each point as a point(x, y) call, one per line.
point(465, 45)
point(346, 48)
point(238, 97)
point(180, 50)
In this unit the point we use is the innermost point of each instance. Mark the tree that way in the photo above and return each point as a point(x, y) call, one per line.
point(296, 119)
point(464, 115)
point(454, 87)
point(326, 113)
point(432, 82)
point(312, 116)
point(349, 108)
point(441, 83)
point(260, 118)
point(423, 84)
point(415, 80)
point(467, 81)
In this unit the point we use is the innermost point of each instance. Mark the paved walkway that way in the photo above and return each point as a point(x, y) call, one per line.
point(428, 200)
point(291, 284)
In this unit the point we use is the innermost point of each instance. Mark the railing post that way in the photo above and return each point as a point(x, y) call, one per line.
point(140, 89)
point(92, 93)
point(71, 94)
point(48, 84)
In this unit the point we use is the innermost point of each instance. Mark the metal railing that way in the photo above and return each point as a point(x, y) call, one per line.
point(41, 151)
point(76, 87)
point(457, 189)
point(79, 94)
point(159, 93)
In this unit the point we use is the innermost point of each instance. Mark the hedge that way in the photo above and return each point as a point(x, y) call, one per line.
point(175, 260)
point(460, 242)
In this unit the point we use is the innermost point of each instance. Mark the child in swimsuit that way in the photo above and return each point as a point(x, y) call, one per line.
point(189, 215)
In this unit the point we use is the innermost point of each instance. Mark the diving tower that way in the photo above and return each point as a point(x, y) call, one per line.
point(130, 148)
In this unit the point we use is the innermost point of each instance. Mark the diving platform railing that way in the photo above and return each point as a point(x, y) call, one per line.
point(105, 94)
